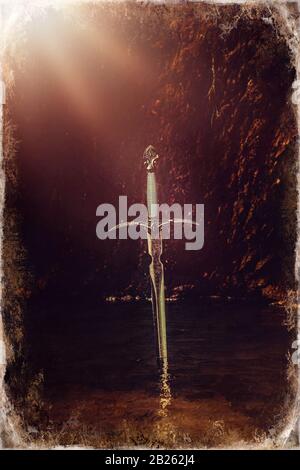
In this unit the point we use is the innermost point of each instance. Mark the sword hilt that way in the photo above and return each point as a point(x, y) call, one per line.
point(150, 158)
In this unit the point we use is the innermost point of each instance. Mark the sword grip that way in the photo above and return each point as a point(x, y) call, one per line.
point(152, 196)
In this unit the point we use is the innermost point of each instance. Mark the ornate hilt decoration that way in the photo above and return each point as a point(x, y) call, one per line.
point(150, 158)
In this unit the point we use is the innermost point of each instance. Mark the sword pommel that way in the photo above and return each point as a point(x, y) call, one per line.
point(150, 158)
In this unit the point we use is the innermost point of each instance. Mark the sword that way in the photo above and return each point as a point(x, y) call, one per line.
point(154, 229)
point(156, 271)
point(156, 268)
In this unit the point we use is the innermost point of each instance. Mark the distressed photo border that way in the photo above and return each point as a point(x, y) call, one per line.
point(288, 20)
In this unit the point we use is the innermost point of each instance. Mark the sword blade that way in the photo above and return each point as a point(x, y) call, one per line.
point(156, 271)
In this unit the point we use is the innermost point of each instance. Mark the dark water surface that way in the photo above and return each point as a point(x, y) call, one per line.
point(226, 378)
